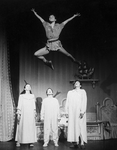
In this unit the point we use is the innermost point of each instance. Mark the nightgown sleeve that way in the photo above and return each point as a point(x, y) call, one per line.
point(42, 110)
point(19, 107)
point(84, 102)
point(35, 113)
point(58, 109)
point(67, 103)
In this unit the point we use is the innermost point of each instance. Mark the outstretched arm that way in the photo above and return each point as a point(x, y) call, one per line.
point(57, 93)
point(41, 19)
point(75, 15)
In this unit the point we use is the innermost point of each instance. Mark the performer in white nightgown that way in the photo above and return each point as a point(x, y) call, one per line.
point(26, 114)
point(76, 104)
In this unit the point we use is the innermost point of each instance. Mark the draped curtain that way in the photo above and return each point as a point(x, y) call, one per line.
point(7, 106)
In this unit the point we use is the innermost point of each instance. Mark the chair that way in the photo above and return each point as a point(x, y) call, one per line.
point(94, 127)
point(109, 114)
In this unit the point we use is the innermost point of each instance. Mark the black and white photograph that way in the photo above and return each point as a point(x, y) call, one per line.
point(58, 74)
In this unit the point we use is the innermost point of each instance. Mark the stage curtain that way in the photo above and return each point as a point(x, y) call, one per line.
point(7, 106)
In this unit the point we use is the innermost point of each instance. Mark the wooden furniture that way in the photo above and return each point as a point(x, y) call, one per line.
point(94, 127)
point(108, 113)
point(99, 126)
point(95, 130)
point(39, 126)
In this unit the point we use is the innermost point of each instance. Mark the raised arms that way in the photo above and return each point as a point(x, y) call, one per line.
point(75, 15)
point(41, 19)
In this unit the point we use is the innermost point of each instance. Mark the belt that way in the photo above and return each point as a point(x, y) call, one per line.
point(52, 41)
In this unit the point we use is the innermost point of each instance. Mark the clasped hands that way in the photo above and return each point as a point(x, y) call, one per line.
point(81, 115)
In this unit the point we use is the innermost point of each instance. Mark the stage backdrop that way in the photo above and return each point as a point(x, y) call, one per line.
point(89, 38)
point(35, 72)
point(89, 41)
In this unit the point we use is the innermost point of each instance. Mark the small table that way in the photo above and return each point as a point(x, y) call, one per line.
point(95, 130)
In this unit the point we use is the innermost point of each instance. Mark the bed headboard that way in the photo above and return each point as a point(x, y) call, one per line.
point(108, 111)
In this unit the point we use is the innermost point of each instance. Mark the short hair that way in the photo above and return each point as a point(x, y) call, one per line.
point(76, 81)
point(47, 91)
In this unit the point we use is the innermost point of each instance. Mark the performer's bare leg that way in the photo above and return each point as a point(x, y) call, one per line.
point(40, 54)
point(62, 50)
point(82, 142)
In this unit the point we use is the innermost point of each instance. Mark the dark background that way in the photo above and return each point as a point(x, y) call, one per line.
point(95, 31)
point(92, 35)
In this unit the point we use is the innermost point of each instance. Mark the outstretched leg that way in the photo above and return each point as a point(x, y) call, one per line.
point(62, 50)
point(40, 54)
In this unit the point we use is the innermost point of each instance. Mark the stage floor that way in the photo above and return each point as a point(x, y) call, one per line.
point(91, 145)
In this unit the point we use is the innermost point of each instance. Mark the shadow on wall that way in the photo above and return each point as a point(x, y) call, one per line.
point(112, 78)
point(92, 109)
